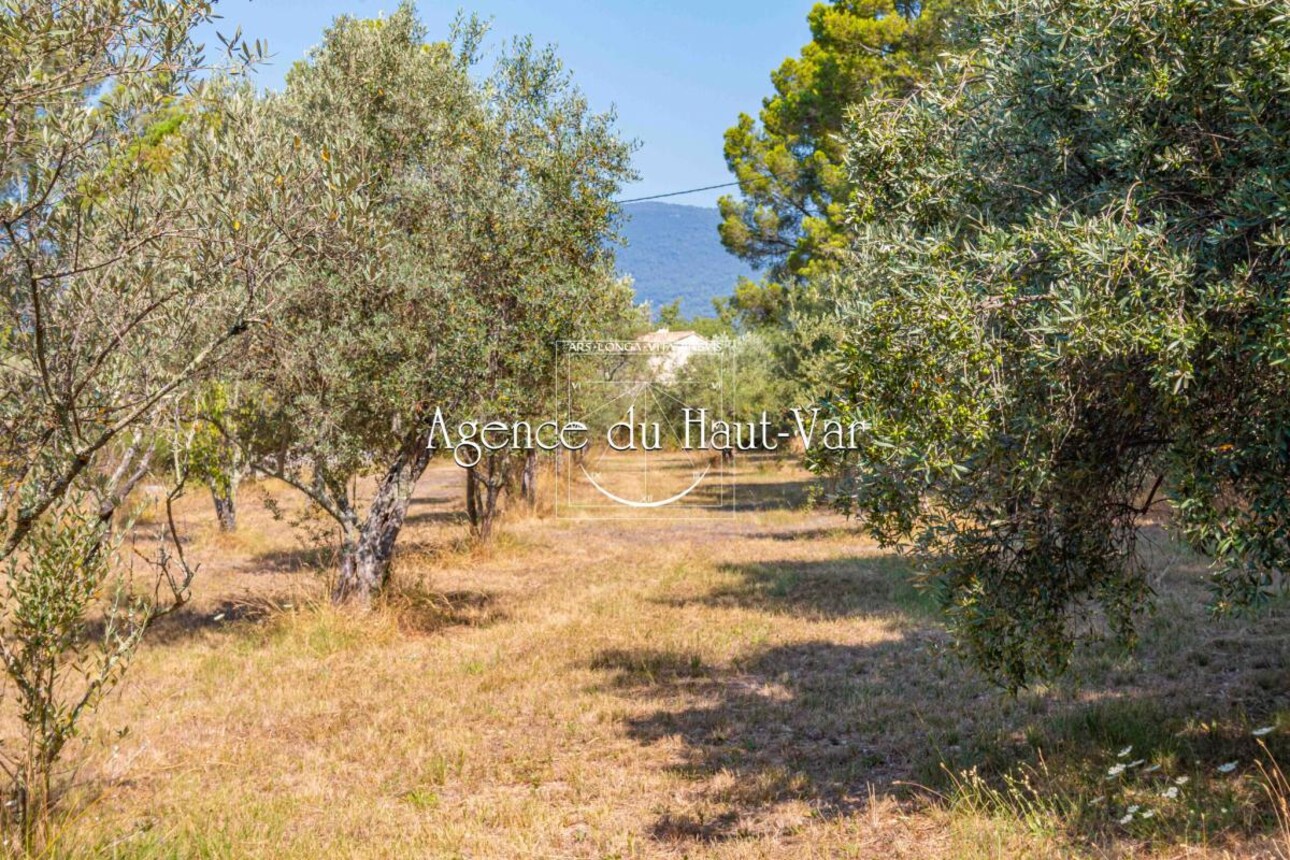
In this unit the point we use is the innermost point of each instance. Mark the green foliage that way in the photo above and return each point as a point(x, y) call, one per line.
point(754, 304)
point(492, 196)
point(1065, 295)
point(212, 454)
point(737, 384)
point(669, 317)
point(789, 161)
point(621, 318)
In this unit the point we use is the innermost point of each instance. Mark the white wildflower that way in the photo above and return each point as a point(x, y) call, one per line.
point(1126, 819)
point(1124, 753)
point(1227, 768)
point(1150, 813)
point(1182, 780)
point(1266, 730)
point(1137, 762)
point(1171, 792)
point(1116, 770)
point(1134, 808)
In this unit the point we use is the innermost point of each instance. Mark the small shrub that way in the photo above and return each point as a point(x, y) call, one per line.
point(70, 624)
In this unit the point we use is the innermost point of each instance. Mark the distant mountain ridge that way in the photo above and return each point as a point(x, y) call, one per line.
point(674, 252)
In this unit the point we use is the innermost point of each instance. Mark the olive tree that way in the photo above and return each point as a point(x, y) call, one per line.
point(1064, 302)
point(491, 197)
point(142, 195)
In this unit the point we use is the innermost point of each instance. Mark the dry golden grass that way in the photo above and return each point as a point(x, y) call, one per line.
point(756, 685)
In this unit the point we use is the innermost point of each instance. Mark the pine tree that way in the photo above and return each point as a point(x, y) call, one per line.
point(789, 161)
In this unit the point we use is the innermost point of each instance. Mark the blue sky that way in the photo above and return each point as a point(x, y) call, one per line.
point(678, 71)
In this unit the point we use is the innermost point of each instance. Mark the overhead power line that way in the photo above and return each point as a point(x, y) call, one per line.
point(679, 193)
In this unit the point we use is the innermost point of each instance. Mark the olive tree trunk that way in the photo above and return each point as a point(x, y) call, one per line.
point(484, 485)
point(528, 479)
point(367, 547)
point(224, 495)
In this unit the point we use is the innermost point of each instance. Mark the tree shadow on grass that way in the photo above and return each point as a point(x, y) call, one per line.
point(298, 559)
point(188, 622)
point(754, 497)
point(872, 586)
point(435, 517)
point(640, 668)
point(820, 722)
point(417, 610)
point(815, 721)
point(424, 610)
point(806, 534)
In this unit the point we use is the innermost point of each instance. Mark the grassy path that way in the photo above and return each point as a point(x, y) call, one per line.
point(765, 685)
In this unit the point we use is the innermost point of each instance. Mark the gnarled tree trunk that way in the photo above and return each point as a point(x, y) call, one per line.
point(368, 548)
